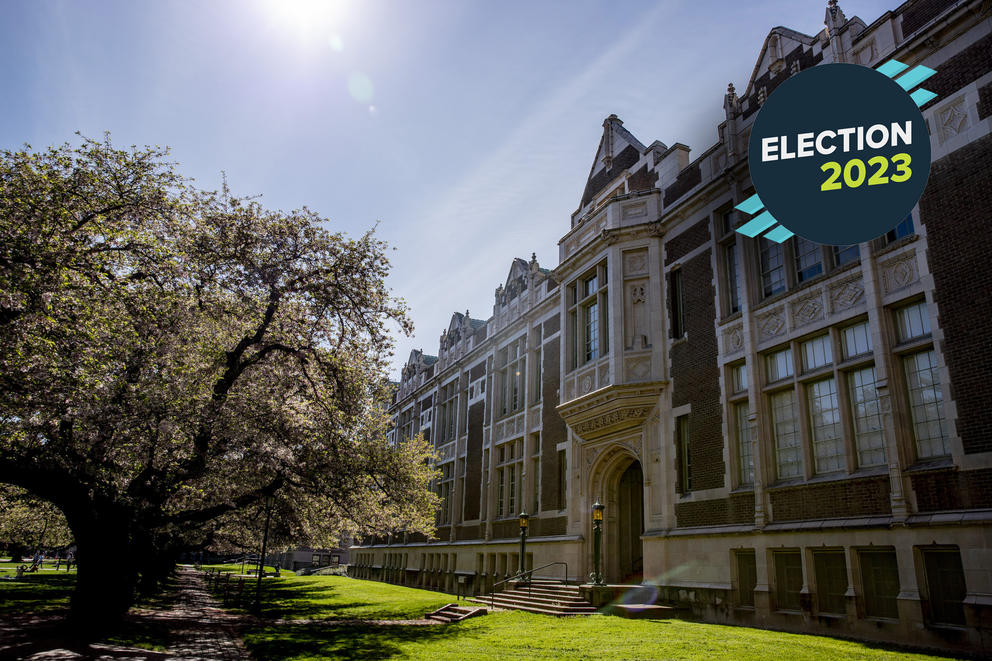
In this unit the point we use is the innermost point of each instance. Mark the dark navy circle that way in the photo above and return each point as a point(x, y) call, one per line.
point(829, 98)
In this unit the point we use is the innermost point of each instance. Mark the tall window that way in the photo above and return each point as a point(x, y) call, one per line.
point(785, 429)
point(676, 303)
point(745, 453)
point(817, 353)
point(747, 577)
point(562, 480)
point(846, 254)
point(732, 262)
point(905, 228)
point(824, 412)
point(945, 585)
point(772, 262)
point(509, 471)
point(866, 412)
point(511, 371)
point(880, 583)
point(925, 402)
point(788, 580)
point(831, 581)
point(587, 316)
point(445, 493)
point(684, 451)
point(809, 259)
point(447, 412)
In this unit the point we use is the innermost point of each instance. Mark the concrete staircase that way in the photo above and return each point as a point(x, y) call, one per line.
point(454, 613)
point(544, 597)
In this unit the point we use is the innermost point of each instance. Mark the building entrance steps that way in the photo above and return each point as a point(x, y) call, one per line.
point(545, 597)
point(455, 613)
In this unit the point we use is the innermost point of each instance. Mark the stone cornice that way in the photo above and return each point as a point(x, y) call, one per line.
point(612, 409)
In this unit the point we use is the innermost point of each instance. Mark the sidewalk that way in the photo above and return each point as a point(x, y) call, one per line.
point(199, 629)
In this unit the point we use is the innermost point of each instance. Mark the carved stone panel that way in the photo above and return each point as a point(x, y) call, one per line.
point(952, 119)
point(846, 294)
point(733, 339)
point(635, 262)
point(899, 272)
point(637, 368)
point(807, 309)
point(772, 323)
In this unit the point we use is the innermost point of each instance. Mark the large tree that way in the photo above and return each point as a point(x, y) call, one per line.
point(170, 358)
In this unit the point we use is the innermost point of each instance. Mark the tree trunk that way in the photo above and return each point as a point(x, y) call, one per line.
point(106, 574)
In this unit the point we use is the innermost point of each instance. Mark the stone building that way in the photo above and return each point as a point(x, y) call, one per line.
point(790, 435)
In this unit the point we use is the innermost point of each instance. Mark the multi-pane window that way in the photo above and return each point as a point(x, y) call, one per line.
point(738, 378)
point(785, 429)
point(747, 577)
point(731, 254)
point(831, 581)
point(684, 450)
point(562, 479)
point(445, 493)
point(809, 259)
point(880, 583)
point(447, 418)
point(817, 353)
point(856, 340)
point(587, 316)
point(825, 426)
point(771, 260)
point(745, 453)
point(913, 321)
point(538, 358)
point(945, 585)
point(676, 304)
point(846, 254)
point(509, 473)
point(905, 228)
point(925, 404)
point(405, 425)
point(867, 417)
point(779, 364)
point(511, 366)
point(788, 580)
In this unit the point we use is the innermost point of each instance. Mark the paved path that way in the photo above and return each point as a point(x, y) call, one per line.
point(198, 630)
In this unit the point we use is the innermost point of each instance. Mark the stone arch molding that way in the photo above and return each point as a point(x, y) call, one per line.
point(608, 466)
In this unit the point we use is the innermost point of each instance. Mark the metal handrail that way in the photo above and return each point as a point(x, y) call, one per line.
point(530, 580)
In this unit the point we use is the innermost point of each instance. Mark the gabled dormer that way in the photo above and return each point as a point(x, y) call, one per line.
point(618, 151)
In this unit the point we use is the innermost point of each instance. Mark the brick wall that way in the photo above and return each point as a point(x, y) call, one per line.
point(738, 508)
point(687, 241)
point(959, 70)
point(621, 162)
point(985, 101)
point(955, 209)
point(643, 179)
point(920, 13)
point(951, 489)
point(548, 527)
point(834, 500)
point(686, 181)
point(696, 375)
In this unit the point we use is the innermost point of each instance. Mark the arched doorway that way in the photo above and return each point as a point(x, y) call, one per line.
point(630, 524)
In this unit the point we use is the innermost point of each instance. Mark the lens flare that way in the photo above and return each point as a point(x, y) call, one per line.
point(360, 87)
point(336, 43)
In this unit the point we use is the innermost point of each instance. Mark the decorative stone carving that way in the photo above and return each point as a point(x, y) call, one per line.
point(635, 210)
point(638, 369)
point(611, 418)
point(733, 339)
point(771, 323)
point(637, 294)
point(846, 294)
point(586, 384)
point(899, 272)
point(952, 119)
point(635, 262)
point(604, 375)
point(807, 310)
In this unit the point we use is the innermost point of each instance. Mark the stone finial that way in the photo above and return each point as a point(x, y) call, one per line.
point(834, 17)
point(533, 261)
point(730, 90)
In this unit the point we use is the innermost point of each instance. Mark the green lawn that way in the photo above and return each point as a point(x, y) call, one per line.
point(506, 635)
point(38, 592)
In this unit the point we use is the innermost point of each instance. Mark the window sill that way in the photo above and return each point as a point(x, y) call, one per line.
point(897, 244)
point(935, 463)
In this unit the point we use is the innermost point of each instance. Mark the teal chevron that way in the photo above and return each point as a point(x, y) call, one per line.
point(892, 68)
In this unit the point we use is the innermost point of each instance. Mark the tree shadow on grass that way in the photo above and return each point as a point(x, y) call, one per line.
point(340, 641)
point(36, 593)
point(291, 600)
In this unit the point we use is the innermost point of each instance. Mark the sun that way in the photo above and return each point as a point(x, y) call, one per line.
point(307, 15)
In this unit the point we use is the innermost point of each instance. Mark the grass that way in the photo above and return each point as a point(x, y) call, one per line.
point(293, 597)
point(506, 635)
point(38, 592)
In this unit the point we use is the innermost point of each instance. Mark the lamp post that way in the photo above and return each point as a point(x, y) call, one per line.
point(597, 532)
point(524, 520)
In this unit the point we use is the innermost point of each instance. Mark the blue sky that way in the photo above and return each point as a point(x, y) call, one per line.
point(465, 128)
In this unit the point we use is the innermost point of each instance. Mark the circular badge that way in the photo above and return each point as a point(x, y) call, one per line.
point(839, 154)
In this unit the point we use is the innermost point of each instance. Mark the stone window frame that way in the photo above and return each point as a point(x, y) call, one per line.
point(749, 573)
point(724, 222)
point(831, 257)
point(511, 373)
point(509, 464)
point(447, 408)
point(683, 451)
point(779, 589)
point(735, 400)
point(904, 348)
point(840, 370)
point(578, 301)
point(820, 580)
point(865, 578)
point(445, 491)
